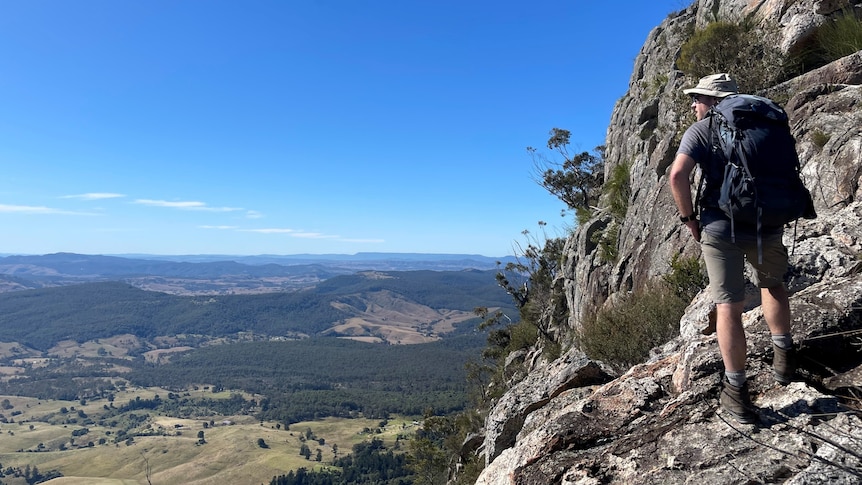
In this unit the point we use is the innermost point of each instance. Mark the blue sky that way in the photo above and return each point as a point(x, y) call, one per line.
point(289, 127)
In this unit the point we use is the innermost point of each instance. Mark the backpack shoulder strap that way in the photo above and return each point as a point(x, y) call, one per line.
point(704, 169)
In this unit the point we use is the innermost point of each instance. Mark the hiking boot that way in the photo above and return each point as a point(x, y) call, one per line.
point(783, 364)
point(736, 401)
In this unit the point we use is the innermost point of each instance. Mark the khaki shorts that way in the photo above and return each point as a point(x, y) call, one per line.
point(725, 264)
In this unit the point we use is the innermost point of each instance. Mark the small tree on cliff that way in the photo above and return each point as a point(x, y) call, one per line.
point(532, 280)
point(533, 283)
point(576, 179)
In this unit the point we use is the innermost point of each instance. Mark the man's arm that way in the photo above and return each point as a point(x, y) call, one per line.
point(680, 186)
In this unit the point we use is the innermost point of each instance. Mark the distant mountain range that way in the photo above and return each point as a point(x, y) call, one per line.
point(48, 298)
point(218, 274)
point(372, 258)
point(375, 306)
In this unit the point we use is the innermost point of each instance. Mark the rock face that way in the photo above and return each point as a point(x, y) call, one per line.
point(572, 422)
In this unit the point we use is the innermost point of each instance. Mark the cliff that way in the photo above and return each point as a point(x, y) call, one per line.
point(574, 421)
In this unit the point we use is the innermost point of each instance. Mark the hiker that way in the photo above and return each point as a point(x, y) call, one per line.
point(725, 255)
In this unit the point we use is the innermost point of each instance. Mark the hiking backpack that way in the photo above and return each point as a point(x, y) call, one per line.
point(761, 184)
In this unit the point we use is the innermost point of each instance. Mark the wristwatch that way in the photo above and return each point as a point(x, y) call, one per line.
point(692, 217)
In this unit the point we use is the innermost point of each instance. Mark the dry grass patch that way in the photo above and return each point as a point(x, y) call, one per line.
point(117, 346)
point(14, 349)
point(231, 452)
point(90, 481)
point(162, 356)
point(385, 316)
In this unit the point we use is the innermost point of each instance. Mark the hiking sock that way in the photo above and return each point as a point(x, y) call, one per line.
point(783, 340)
point(736, 379)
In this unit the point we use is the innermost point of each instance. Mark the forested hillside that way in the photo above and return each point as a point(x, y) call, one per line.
point(73, 342)
point(43, 317)
point(313, 378)
point(295, 380)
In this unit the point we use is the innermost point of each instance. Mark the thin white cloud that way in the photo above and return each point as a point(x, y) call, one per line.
point(173, 205)
point(185, 205)
point(94, 196)
point(253, 214)
point(39, 210)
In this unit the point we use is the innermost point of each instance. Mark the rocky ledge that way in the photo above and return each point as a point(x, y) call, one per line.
point(572, 421)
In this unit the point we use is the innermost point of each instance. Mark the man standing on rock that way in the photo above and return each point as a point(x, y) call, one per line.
point(725, 255)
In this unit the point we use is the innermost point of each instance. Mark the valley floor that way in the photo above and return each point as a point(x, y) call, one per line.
point(140, 447)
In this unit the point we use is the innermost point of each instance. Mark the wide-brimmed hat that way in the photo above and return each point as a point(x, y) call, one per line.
point(715, 85)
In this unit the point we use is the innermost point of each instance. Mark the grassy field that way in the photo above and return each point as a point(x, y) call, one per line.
point(172, 455)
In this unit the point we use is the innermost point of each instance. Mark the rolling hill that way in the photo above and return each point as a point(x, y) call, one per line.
point(397, 307)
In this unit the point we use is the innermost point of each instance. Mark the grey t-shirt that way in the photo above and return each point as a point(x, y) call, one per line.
point(695, 142)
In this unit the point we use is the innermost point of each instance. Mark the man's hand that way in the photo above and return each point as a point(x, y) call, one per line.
point(694, 227)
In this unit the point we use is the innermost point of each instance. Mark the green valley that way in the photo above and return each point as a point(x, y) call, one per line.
point(106, 382)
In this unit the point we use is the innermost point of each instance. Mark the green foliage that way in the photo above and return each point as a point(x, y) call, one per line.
point(608, 242)
point(841, 36)
point(687, 276)
point(738, 49)
point(29, 475)
point(623, 333)
point(710, 49)
point(428, 462)
point(467, 423)
point(314, 378)
point(369, 462)
point(438, 444)
point(616, 193)
point(583, 214)
point(372, 462)
point(836, 38)
point(819, 138)
point(543, 304)
point(655, 85)
point(301, 380)
point(617, 190)
point(522, 335)
point(305, 451)
point(533, 284)
point(646, 133)
point(61, 379)
point(577, 179)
